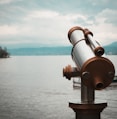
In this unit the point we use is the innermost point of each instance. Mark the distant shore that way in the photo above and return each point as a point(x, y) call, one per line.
point(59, 50)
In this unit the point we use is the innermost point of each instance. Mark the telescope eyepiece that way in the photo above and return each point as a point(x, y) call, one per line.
point(99, 51)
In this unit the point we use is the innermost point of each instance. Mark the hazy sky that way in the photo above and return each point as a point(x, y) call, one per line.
point(32, 23)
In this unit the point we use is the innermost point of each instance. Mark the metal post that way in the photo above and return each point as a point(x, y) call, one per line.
point(87, 94)
point(87, 108)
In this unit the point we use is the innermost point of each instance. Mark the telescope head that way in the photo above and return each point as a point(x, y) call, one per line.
point(96, 71)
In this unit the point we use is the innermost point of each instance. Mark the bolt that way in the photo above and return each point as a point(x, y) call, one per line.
point(111, 74)
point(85, 75)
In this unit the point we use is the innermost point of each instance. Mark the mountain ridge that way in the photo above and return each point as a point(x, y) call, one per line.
point(110, 49)
point(60, 50)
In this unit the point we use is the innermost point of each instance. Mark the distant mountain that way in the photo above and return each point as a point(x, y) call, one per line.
point(62, 50)
point(111, 49)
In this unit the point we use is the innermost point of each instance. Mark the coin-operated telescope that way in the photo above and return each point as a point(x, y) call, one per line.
point(96, 71)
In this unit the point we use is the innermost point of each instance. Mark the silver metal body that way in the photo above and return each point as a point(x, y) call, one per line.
point(76, 36)
point(93, 42)
point(81, 52)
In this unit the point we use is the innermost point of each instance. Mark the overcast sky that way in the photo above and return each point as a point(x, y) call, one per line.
point(34, 23)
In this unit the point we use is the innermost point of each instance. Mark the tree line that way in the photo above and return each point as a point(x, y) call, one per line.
point(4, 53)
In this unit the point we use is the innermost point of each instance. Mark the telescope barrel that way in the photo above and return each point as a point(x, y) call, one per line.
point(81, 52)
point(98, 50)
point(75, 34)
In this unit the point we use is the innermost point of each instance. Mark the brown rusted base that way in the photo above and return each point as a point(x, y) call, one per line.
point(87, 111)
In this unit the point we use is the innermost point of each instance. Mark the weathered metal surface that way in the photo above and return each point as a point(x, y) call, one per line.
point(70, 72)
point(88, 111)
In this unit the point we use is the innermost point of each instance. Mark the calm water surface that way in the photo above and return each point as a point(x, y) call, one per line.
point(34, 88)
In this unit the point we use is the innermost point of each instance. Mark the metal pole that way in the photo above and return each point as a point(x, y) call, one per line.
point(87, 109)
point(87, 94)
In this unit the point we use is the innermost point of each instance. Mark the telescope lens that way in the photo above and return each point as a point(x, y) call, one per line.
point(99, 51)
point(99, 86)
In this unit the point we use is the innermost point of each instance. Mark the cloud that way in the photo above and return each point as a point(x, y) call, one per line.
point(8, 30)
point(103, 3)
point(108, 16)
point(42, 14)
point(104, 26)
point(50, 27)
point(6, 1)
point(45, 26)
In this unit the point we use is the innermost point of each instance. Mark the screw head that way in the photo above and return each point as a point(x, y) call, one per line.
point(85, 75)
point(111, 74)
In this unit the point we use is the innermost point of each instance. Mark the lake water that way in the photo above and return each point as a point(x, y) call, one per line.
point(33, 87)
